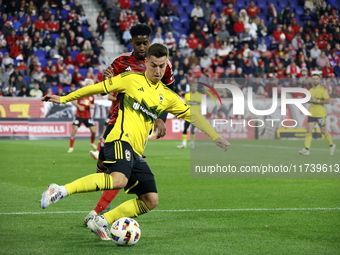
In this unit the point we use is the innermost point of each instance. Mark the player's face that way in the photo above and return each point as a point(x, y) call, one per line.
point(315, 80)
point(140, 45)
point(155, 68)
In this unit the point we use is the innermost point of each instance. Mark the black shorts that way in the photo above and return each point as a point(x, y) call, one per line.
point(101, 151)
point(119, 157)
point(320, 121)
point(87, 122)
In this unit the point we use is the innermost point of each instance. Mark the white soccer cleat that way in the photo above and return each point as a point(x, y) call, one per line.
point(93, 146)
point(100, 227)
point(90, 216)
point(94, 154)
point(181, 146)
point(70, 150)
point(51, 195)
point(332, 149)
point(304, 151)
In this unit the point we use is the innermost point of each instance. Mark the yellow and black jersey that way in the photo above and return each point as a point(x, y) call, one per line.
point(194, 100)
point(141, 104)
point(318, 110)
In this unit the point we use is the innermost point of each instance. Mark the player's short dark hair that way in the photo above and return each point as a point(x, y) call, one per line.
point(140, 29)
point(158, 50)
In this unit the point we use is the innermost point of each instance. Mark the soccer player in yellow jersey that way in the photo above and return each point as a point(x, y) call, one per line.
point(141, 103)
point(319, 97)
point(194, 100)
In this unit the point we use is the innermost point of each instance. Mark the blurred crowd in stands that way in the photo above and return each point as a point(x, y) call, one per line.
point(50, 46)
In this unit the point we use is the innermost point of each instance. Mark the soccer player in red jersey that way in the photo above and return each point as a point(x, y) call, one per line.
point(130, 61)
point(83, 115)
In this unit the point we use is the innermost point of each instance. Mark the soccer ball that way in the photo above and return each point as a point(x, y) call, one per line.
point(125, 232)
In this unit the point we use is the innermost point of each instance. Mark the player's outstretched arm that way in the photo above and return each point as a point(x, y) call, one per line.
point(51, 98)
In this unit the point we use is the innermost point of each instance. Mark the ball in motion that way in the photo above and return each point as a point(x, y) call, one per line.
point(125, 232)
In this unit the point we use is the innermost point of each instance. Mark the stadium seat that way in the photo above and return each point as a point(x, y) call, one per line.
point(184, 17)
point(188, 9)
point(54, 36)
point(262, 5)
point(219, 70)
point(40, 54)
point(197, 71)
point(176, 25)
point(74, 54)
point(299, 11)
point(283, 3)
point(64, 13)
point(34, 18)
point(83, 72)
point(185, 2)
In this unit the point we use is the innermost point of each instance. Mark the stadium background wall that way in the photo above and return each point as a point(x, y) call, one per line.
point(28, 118)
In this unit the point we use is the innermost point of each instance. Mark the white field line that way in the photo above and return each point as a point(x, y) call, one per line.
point(281, 147)
point(192, 210)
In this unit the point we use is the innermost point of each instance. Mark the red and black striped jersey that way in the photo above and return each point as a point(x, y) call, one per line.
point(128, 62)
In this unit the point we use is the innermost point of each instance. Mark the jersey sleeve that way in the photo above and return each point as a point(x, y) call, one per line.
point(114, 84)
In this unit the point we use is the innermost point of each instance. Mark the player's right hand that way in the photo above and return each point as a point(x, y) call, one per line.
point(51, 98)
point(108, 73)
point(223, 143)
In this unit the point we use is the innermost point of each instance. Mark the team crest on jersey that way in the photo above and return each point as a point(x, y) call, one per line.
point(127, 155)
point(161, 97)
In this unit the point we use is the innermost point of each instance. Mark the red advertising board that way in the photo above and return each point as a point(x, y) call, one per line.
point(21, 108)
point(37, 129)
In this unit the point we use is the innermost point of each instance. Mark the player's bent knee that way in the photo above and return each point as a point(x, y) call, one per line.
point(150, 200)
point(119, 180)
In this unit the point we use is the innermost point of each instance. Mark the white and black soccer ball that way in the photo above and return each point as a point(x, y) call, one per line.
point(125, 232)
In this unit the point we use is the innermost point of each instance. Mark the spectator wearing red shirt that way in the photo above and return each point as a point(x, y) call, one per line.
point(125, 4)
point(40, 23)
point(228, 10)
point(16, 50)
point(252, 10)
point(295, 26)
point(77, 77)
point(277, 33)
point(81, 60)
point(238, 26)
point(52, 25)
point(11, 39)
point(289, 34)
point(192, 41)
point(328, 71)
point(293, 70)
point(72, 14)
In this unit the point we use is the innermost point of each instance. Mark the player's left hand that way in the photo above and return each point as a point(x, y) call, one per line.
point(223, 143)
point(51, 98)
point(160, 128)
point(313, 100)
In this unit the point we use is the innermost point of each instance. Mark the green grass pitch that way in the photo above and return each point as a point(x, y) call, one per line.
point(194, 216)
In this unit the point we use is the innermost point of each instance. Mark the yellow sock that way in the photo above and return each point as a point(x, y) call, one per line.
point(308, 140)
point(92, 182)
point(328, 138)
point(131, 208)
point(184, 139)
point(192, 137)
